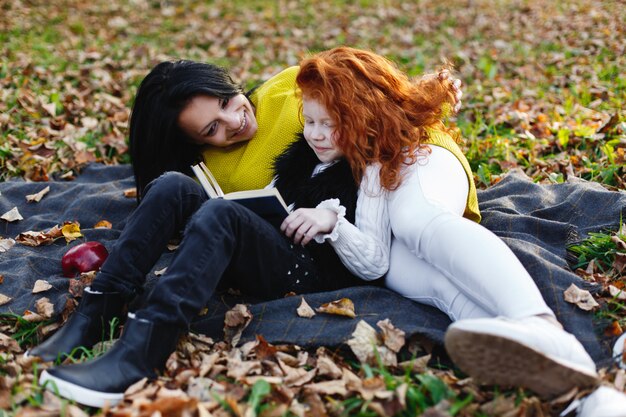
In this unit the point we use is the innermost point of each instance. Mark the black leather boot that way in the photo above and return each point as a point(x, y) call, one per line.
point(88, 325)
point(142, 350)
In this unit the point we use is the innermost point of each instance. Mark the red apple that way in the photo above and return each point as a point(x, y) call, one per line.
point(88, 256)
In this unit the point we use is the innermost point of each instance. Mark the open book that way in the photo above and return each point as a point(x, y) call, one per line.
point(266, 202)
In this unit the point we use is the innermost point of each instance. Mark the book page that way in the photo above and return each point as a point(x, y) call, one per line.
point(212, 179)
point(204, 182)
point(263, 192)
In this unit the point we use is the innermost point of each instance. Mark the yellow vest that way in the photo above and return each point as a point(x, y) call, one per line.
point(249, 165)
point(442, 139)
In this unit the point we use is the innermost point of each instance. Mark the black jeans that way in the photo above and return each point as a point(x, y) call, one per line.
point(222, 242)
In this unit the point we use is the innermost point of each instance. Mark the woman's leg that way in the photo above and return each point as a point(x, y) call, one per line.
point(223, 240)
point(169, 202)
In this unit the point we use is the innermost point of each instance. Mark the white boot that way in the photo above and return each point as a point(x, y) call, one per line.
point(530, 353)
point(603, 402)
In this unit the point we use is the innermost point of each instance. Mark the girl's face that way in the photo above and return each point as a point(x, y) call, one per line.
point(218, 122)
point(319, 131)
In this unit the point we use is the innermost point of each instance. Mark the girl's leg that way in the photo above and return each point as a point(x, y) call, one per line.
point(425, 217)
point(168, 203)
point(525, 346)
point(418, 280)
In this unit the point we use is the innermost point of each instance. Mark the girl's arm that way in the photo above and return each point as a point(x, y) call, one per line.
point(363, 248)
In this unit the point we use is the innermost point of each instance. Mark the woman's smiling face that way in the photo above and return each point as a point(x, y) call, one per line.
point(218, 122)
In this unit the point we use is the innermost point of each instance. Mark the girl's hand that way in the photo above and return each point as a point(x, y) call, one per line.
point(455, 86)
point(303, 224)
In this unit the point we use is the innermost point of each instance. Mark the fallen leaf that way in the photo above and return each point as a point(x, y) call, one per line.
point(264, 350)
point(32, 317)
point(130, 193)
point(71, 231)
point(613, 329)
point(235, 321)
point(36, 198)
point(582, 298)
point(305, 310)
point(342, 307)
point(393, 338)
point(103, 224)
point(617, 293)
point(41, 286)
point(44, 307)
point(6, 244)
point(619, 264)
point(4, 299)
point(31, 238)
point(366, 345)
point(12, 215)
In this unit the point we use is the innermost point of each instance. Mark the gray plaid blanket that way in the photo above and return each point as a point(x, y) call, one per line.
point(536, 221)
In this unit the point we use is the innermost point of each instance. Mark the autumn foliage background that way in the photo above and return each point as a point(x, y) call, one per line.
point(544, 81)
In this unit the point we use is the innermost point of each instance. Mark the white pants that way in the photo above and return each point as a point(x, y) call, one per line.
point(442, 259)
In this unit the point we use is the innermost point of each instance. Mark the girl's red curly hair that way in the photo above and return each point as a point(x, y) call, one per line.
point(380, 114)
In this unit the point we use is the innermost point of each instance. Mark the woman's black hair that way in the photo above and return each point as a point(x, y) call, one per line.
point(157, 144)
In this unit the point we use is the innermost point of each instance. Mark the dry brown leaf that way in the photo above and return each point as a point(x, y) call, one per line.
point(366, 344)
point(619, 264)
point(130, 193)
point(103, 224)
point(4, 299)
point(264, 350)
point(618, 294)
point(8, 344)
point(31, 238)
point(6, 244)
point(305, 310)
point(235, 321)
point(393, 338)
point(12, 215)
point(32, 317)
point(327, 367)
point(44, 307)
point(335, 387)
point(342, 307)
point(36, 198)
point(417, 365)
point(41, 286)
point(582, 298)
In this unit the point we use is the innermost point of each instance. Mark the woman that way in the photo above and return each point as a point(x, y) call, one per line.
point(504, 332)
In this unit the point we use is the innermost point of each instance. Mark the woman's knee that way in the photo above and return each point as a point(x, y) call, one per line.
point(172, 185)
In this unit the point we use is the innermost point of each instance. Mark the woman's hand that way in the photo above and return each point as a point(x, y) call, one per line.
point(303, 224)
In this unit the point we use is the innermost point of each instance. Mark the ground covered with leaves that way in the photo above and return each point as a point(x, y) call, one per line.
point(544, 91)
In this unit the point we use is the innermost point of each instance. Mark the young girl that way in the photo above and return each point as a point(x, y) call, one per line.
point(390, 131)
point(228, 245)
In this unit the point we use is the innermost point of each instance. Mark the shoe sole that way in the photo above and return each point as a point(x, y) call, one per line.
point(496, 360)
point(77, 393)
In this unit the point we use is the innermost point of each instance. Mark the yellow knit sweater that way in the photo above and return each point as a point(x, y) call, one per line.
point(249, 165)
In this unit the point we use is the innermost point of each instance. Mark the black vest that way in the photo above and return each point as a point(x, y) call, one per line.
point(293, 169)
